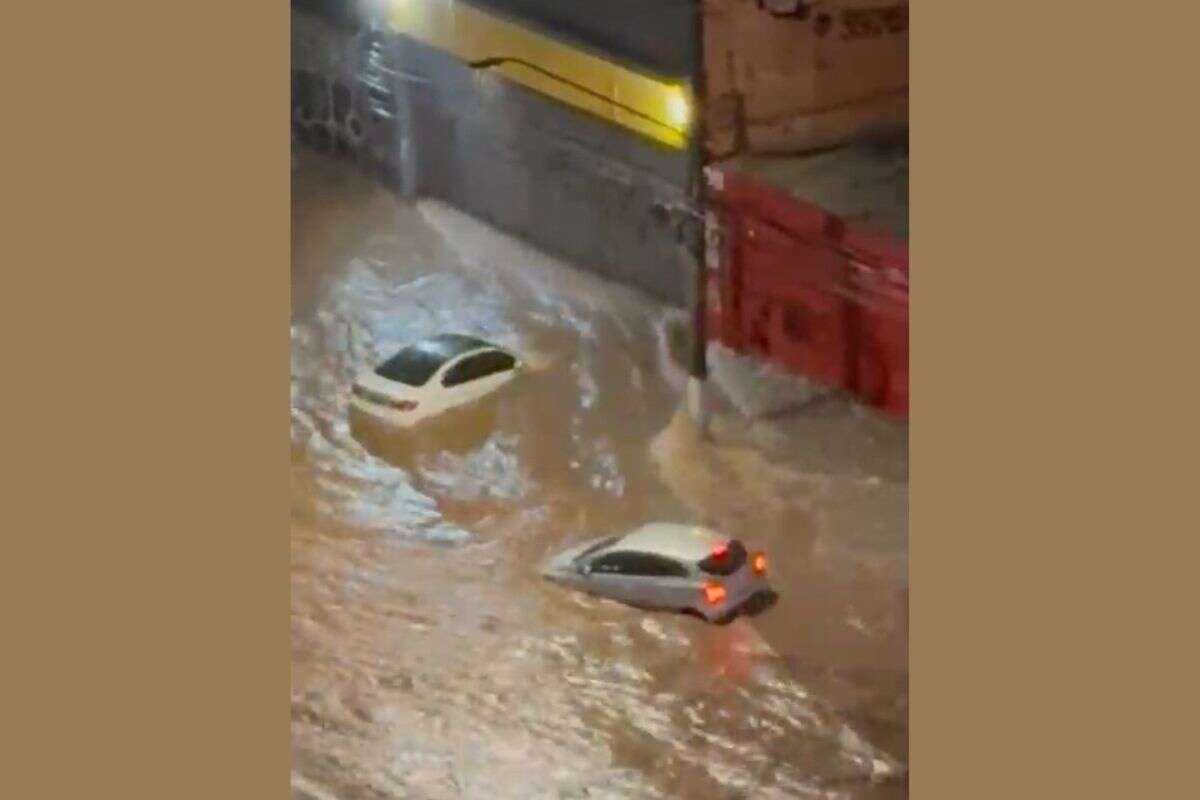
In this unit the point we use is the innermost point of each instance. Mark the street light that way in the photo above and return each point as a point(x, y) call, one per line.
point(679, 109)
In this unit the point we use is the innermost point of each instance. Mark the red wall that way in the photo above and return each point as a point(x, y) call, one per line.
point(790, 283)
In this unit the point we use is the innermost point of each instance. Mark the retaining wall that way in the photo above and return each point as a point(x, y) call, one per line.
point(571, 184)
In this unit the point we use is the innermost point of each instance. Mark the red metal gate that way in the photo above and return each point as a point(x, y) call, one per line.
point(790, 283)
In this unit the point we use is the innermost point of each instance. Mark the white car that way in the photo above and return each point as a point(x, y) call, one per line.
point(666, 566)
point(433, 376)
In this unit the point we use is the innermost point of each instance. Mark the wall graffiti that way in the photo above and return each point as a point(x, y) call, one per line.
point(786, 8)
point(856, 23)
point(349, 108)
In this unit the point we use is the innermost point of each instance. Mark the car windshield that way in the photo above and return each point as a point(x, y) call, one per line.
point(472, 368)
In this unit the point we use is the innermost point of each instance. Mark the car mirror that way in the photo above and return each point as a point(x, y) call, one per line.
point(585, 569)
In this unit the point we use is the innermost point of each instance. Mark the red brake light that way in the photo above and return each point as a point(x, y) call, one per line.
point(720, 551)
point(378, 399)
point(714, 592)
point(760, 563)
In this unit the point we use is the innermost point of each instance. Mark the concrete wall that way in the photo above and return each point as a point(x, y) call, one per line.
point(335, 109)
point(571, 184)
point(789, 75)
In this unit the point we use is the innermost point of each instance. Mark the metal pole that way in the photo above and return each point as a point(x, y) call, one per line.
point(698, 363)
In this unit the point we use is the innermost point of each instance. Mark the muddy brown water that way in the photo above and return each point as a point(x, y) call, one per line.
point(429, 660)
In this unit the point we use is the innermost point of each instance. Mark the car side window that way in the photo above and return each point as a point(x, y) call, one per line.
point(613, 564)
point(629, 563)
point(478, 366)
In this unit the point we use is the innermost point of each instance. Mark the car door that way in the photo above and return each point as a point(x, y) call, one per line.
point(611, 575)
point(476, 374)
point(669, 584)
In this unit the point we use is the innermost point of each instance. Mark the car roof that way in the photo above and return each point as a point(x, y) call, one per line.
point(450, 345)
point(420, 361)
point(688, 543)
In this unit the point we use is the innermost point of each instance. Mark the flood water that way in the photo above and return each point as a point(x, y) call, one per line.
point(429, 659)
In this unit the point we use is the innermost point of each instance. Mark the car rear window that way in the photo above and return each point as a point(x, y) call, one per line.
point(725, 561)
point(413, 366)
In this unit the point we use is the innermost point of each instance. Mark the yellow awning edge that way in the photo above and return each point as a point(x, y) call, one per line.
point(652, 107)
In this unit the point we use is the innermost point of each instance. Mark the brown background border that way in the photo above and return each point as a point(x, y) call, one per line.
point(145, 587)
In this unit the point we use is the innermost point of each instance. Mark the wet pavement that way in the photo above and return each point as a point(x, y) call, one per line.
point(430, 660)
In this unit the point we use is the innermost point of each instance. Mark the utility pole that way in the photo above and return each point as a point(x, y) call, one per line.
point(698, 362)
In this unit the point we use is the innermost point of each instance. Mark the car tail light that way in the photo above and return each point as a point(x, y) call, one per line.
point(714, 593)
point(760, 563)
point(382, 399)
point(725, 558)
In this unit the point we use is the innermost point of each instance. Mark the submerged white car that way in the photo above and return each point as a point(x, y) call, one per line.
point(666, 566)
point(433, 376)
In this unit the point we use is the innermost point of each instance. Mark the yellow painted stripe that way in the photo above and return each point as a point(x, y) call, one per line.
point(658, 109)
